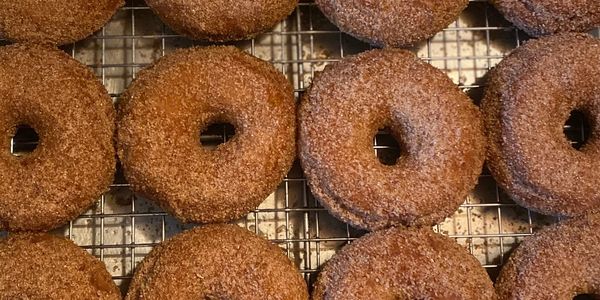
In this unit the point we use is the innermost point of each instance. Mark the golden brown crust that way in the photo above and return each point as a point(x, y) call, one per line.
point(217, 262)
point(534, 90)
point(557, 263)
point(163, 111)
point(544, 17)
point(392, 23)
point(42, 266)
point(54, 21)
point(427, 113)
point(222, 20)
point(74, 117)
point(403, 264)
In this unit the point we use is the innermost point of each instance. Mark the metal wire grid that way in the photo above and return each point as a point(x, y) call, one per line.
point(123, 227)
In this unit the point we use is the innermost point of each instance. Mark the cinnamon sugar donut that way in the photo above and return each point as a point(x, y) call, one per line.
point(217, 262)
point(222, 20)
point(559, 262)
point(74, 162)
point(392, 23)
point(42, 266)
point(543, 17)
point(403, 264)
point(54, 21)
point(163, 112)
point(437, 125)
point(530, 96)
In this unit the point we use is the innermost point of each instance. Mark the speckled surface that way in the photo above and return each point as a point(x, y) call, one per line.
point(43, 266)
point(399, 263)
point(222, 20)
point(163, 111)
point(54, 21)
point(74, 162)
point(543, 171)
point(544, 17)
point(392, 23)
point(221, 261)
point(122, 228)
point(558, 262)
point(430, 117)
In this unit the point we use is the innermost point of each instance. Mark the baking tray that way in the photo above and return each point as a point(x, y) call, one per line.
point(123, 227)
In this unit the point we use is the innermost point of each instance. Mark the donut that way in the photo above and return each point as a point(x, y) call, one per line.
point(54, 21)
point(439, 129)
point(222, 20)
point(558, 262)
point(545, 17)
point(397, 263)
point(530, 96)
point(42, 266)
point(392, 23)
point(163, 112)
point(74, 162)
point(242, 265)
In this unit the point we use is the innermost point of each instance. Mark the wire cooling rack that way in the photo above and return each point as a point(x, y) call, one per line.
point(122, 228)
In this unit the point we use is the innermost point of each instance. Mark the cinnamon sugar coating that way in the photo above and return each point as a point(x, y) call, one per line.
point(557, 263)
point(440, 131)
point(392, 23)
point(545, 17)
point(163, 112)
point(400, 263)
point(217, 262)
point(222, 20)
point(530, 96)
point(74, 162)
point(42, 266)
point(54, 21)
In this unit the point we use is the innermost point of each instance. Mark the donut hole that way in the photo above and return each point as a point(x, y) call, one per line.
point(215, 134)
point(577, 129)
point(24, 141)
point(387, 147)
point(586, 297)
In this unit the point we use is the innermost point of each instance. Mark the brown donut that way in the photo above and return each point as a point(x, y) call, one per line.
point(530, 96)
point(403, 264)
point(543, 17)
point(161, 117)
point(437, 125)
point(392, 23)
point(217, 262)
point(42, 266)
point(557, 263)
point(222, 20)
point(71, 111)
point(54, 21)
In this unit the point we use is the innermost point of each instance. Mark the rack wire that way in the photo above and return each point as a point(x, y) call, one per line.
point(123, 227)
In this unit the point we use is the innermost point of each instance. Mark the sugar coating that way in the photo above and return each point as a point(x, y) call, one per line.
point(393, 23)
point(401, 263)
point(530, 96)
point(54, 21)
point(221, 261)
point(43, 266)
point(222, 20)
point(71, 111)
point(558, 262)
point(544, 17)
point(440, 131)
point(161, 116)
